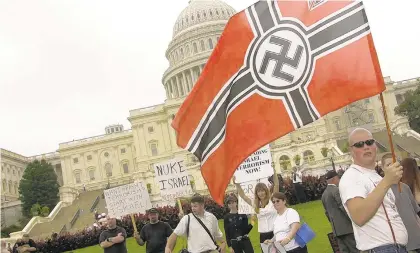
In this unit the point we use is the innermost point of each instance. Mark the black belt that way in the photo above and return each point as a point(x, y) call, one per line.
point(240, 238)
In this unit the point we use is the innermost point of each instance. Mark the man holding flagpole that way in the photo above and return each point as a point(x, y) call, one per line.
point(278, 66)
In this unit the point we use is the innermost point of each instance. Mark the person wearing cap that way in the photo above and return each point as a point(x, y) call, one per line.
point(24, 245)
point(155, 233)
point(237, 228)
point(337, 215)
point(112, 240)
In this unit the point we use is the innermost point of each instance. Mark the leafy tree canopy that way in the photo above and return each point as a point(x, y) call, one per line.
point(411, 108)
point(39, 185)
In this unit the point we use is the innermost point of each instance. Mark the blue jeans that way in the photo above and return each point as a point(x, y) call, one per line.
point(390, 248)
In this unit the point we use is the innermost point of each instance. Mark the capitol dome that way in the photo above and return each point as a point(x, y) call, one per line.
point(195, 34)
point(202, 11)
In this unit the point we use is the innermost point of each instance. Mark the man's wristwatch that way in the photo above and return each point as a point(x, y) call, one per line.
point(109, 239)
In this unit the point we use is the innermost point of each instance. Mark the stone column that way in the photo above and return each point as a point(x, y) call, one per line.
point(174, 88)
point(192, 77)
point(167, 90)
point(181, 90)
point(165, 134)
point(172, 133)
point(186, 86)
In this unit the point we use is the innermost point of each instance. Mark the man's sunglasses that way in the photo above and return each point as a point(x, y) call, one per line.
point(361, 144)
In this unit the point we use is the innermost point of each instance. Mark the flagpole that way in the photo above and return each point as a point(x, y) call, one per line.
point(381, 96)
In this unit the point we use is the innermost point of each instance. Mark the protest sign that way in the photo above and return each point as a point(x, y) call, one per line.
point(249, 187)
point(256, 166)
point(127, 199)
point(172, 179)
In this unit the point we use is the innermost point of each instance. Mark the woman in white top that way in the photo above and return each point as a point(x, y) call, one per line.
point(263, 207)
point(286, 225)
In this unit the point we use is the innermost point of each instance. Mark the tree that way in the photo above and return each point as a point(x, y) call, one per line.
point(410, 108)
point(39, 185)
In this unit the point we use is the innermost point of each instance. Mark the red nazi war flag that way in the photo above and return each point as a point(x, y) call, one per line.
point(278, 66)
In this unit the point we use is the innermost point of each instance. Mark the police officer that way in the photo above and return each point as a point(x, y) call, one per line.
point(237, 228)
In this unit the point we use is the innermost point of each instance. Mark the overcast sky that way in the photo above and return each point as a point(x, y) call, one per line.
point(70, 68)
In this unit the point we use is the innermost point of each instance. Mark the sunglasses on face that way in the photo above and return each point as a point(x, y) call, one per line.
point(361, 144)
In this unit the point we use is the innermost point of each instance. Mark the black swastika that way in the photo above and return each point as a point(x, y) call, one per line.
point(281, 58)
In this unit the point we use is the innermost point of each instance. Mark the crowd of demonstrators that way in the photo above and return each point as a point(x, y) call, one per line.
point(383, 219)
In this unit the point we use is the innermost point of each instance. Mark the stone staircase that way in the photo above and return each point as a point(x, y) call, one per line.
point(67, 218)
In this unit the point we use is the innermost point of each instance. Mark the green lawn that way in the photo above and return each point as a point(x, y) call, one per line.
point(312, 213)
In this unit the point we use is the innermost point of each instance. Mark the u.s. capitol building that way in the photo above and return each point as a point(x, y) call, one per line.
point(121, 156)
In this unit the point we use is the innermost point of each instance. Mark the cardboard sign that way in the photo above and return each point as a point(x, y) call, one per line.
point(256, 166)
point(172, 178)
point(249, 187)
point(127, 199)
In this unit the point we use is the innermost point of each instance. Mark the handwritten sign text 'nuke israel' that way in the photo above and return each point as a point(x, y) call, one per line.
point(127, 199)
point(256, 166)
point(172, 179)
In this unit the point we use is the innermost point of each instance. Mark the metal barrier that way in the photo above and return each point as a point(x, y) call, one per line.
point(75, 217)
point(95, 203)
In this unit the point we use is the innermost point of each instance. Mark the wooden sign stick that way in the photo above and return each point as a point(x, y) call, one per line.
point(134, 223)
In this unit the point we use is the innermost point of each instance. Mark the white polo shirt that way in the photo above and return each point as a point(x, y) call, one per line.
point(298, 177)
point(359, 182)
point(266, 218)
point(198, 239)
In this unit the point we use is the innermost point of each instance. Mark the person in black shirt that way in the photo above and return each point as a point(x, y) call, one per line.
point(155, 233)
point(112, 240)
point(237, 228)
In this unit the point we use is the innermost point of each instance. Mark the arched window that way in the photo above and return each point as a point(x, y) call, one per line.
point(195, 47)
point(92, 174)
point(202, 45)
point(153, 149)
point(308, 156)
point(125, 167)
point(210, 44)
point(77, 177)
point(108, 169)
point(285, 162)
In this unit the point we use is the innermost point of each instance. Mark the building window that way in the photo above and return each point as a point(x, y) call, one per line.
point(367, 101)
point(337, 124)
point(16, 189)
point(217, 38)
point(195, 47)
point(123, 151)
point(75, 160)
point(89, 157)
point(202, 45)
point(108, 170)
point(400, 98)
point(92, 175)
point(10, 186)
point(106, 154)
point(125, 168)
point(14, 172)
point(371, 117)
point(150, 129)
point(285, 162)
point(112, 130)
point(308, 156)
point(210, 44)
point(153, 148)
point(4, 186)
point(77, 176)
